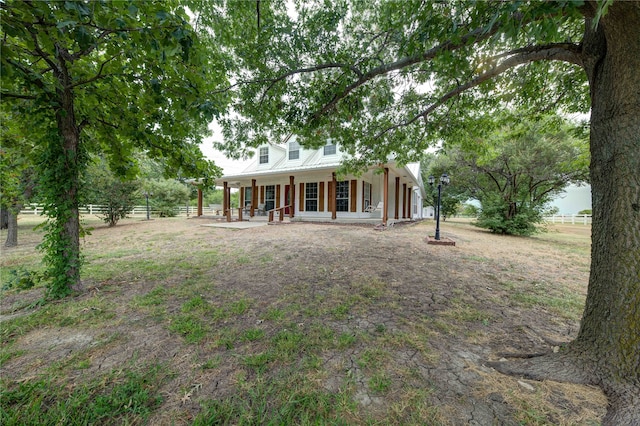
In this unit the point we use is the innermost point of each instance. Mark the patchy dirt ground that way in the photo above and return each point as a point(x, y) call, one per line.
point(434, 314)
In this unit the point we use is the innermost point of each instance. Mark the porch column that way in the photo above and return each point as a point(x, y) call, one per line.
point(228, 197)
point(404, 200)
point(397, 200)
point(224, 198)
point(254, 197)
point(199, 201)
point(292, 197)
point(385, 197)
point(332, 191)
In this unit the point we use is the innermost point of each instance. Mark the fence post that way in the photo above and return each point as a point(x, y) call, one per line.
point(573, 219)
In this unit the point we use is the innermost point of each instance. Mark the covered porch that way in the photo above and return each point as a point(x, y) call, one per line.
point(381, 194)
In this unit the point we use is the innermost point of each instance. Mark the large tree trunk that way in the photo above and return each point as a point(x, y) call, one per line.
point(610, 329)
point(606, 351)
point(4, 218)
point(61, 179)
point(12, 228)
point(69, 192)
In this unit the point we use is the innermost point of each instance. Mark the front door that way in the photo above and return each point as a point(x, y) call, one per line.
point(287, 198)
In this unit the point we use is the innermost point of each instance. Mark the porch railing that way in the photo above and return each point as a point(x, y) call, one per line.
point(280, 211)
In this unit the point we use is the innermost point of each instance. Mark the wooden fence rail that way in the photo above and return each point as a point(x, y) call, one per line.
point(96, 209)
point(581, 219)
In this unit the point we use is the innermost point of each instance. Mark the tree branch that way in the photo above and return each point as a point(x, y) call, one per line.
point(97, 76)
point(525, 56)
point(27, 71)
point(17, 96)
point(301, 71)
point(479, 34)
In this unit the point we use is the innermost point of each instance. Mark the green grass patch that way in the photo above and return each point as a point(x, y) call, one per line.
point(252, 334)
point(379, 383)
point(192, 328)
point(569, 306)
point(239, 307)
point(372, 359)
point(91, 312)
point(289, 399)
point(122, 397)
point(211, 363)
point(196, 303)
point(346, 340)
point(155, 297)
point(274, 314)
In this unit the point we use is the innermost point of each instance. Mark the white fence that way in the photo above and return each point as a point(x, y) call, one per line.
point(580, 219)
point(95, 209)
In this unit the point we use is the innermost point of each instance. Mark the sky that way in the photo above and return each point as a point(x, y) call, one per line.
point(229, 166)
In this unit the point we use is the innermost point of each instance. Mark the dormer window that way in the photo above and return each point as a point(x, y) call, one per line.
point(264, 155)
point(330, 148)
point(294, 150)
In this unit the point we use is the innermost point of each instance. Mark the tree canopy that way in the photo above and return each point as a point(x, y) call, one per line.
point(390, 78)
point(518, 169)
point(107, 77)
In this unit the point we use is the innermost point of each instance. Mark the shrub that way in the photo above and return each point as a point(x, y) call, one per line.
point(167, 196)
point(501, 217)
point(116, 195)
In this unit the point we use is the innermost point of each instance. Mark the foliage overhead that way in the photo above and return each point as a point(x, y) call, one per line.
point(137, 72)
point(391, 78)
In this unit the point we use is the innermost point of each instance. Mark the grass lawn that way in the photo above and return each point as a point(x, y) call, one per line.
point(179, 324)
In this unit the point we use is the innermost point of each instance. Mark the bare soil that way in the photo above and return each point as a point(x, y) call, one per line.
point(442, 311)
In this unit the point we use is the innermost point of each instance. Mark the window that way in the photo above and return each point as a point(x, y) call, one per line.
point(366, 196)
point(294, 150)
point(330, 148)
point(247, 196)
point(264, 155)
point(311, 197)
point(269, 197)
point(342, 196)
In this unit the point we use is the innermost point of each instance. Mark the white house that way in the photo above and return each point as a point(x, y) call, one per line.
point(288, 180)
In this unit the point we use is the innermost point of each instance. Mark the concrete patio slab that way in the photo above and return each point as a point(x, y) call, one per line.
point(236, 225)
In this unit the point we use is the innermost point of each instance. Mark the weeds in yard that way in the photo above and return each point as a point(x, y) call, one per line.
point(123, 397)
point(155, 297)
point(274, 314)
point(191, 327)
point(288, 399)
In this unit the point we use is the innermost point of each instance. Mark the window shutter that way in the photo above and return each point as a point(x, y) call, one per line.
point(353, 195)
point(301, 198)
point(321, 197)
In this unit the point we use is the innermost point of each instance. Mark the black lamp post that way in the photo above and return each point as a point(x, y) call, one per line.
point(444, 180)
point(147, 195)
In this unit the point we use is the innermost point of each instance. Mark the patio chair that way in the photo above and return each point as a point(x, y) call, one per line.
point(261, 210)
point(371, 208)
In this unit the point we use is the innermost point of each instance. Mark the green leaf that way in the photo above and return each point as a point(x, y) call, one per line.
point(64, 24)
